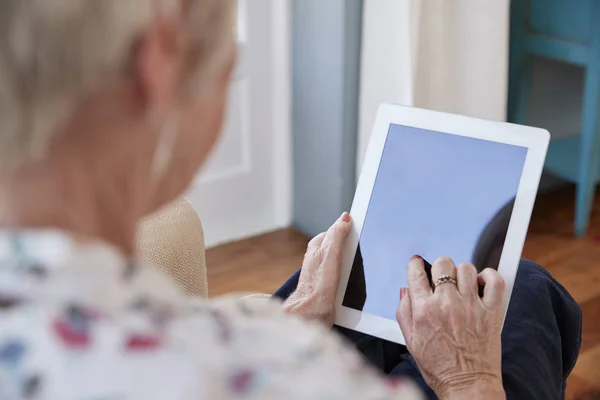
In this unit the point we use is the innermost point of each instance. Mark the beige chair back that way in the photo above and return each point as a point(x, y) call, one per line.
point(172, 240)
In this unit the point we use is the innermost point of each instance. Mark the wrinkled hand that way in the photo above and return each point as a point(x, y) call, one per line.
point(452, 333)
point(314, 298)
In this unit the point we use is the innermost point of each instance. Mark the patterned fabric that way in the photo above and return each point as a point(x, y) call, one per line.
point(79, 321)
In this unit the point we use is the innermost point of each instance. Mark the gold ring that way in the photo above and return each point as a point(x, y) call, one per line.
point(445, 279)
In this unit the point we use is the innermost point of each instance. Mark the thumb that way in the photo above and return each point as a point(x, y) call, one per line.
point(332, 247)
point(335, 238)
point(404, 314)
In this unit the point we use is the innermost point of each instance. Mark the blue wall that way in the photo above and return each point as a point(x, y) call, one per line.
point(326, 64)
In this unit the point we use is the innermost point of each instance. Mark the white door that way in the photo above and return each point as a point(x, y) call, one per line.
point(244, 188)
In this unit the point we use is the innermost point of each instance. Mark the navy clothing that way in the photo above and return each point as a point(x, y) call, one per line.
point(540, 339)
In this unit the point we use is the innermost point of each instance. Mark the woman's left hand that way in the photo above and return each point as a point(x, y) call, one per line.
point(314, 298)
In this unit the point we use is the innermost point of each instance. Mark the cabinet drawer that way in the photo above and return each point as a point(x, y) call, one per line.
point(561, 19)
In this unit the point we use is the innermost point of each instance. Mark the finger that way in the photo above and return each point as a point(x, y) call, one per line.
point(418, 284)
point(335, 238)
point(493, 287)
point(467, 279)
point(404, 314)
point(332, 247)
point(443, 266)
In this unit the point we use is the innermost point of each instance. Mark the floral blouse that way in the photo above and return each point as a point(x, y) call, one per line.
point(80, 322)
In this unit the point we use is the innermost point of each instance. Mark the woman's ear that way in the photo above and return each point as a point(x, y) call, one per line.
point(158, 64)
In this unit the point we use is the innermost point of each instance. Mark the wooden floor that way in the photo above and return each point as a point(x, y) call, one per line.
point(262, 263)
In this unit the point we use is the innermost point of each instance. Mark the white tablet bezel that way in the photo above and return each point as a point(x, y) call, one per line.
point(536, 140)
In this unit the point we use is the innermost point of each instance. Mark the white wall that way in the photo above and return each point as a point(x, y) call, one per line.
point(385, 72)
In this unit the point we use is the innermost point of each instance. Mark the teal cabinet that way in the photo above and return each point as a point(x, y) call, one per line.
point(566, 31)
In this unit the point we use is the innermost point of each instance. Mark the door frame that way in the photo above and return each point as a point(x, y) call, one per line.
point(281, 114)
point(274, 117)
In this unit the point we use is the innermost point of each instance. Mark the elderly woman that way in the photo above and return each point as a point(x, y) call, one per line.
point(107, 110)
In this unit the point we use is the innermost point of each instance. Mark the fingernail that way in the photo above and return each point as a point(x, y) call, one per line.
point(402, 293)
point(415, 257)
point(345, 217)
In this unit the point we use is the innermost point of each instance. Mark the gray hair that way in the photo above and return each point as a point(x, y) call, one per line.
point(54, 51)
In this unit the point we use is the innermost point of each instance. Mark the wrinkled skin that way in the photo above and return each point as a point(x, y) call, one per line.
point(452, 333)
point(314, 298)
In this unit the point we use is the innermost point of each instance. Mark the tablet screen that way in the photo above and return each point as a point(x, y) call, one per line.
point(435, 194)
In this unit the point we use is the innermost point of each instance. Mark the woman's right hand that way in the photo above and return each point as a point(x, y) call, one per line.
point(452, 333)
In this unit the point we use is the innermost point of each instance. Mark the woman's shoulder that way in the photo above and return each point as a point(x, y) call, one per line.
point(255, 347)
point(80, 320)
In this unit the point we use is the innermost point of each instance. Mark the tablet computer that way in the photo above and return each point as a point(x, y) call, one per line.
point(435, 184)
